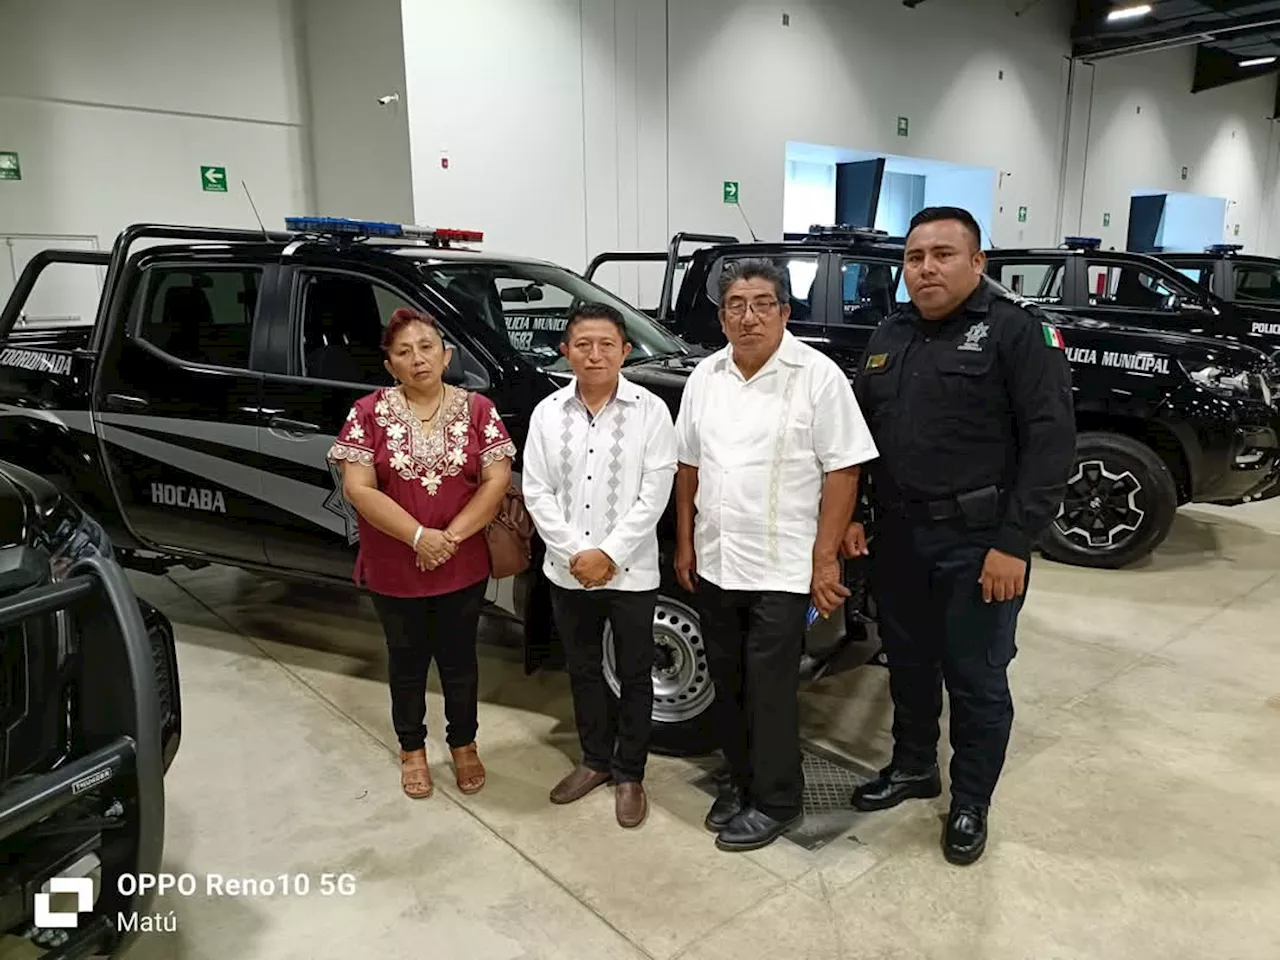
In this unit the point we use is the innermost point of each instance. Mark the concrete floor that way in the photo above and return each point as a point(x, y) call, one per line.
point(1139, 815)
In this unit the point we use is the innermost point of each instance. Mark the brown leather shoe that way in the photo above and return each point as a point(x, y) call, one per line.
point(578, 784)
point(631, 804)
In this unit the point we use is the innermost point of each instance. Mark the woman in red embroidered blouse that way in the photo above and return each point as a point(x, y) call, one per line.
point(426, 466)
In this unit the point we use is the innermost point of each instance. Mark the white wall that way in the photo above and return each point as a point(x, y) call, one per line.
point(809, 194)
point(354, 54)
point(574, 126)
point(552, 114)
point(742, 84)
point(113, 107)
point(1135, 125)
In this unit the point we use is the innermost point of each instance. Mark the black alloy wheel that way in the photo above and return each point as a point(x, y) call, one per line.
point(1118, 504)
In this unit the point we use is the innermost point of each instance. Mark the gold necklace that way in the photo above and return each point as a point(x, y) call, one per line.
point(434, 413)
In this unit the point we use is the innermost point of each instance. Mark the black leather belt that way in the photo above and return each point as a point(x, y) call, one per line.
point(935, 510)
point(947, 508)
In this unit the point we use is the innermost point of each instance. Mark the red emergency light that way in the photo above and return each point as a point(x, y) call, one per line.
point(448, 234)
point(364, 229)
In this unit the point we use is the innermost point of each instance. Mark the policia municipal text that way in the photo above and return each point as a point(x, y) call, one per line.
point(968, 395)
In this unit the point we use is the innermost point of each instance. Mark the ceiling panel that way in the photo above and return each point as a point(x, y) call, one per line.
point(1224, 33)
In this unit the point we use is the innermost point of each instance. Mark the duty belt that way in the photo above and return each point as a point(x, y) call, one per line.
point(986, 500)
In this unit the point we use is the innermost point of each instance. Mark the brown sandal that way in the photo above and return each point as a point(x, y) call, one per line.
point(415, 775)
point(468, 768)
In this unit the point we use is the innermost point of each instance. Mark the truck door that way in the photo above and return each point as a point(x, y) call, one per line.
point(1128, 293)
point(176, 407)
point(331, 358)
point(862, 296)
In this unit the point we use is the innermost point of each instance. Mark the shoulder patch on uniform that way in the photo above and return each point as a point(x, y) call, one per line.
point(876, 361)
point(1052, 337)
point(1001, 292)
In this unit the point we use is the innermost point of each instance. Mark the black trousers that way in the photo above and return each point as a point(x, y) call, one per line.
point(614, 731)
point(937, 630)
point(420, 629)
point(754, 641)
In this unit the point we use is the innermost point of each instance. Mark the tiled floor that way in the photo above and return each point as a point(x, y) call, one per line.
point(1139, 815)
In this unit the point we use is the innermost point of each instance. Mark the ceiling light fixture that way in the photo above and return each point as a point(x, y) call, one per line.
point(1259, 62)
point(1129, 13)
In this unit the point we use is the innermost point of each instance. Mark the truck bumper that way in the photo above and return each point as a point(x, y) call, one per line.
point(1250, 468)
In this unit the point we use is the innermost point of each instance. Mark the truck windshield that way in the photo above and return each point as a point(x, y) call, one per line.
point(530, 304)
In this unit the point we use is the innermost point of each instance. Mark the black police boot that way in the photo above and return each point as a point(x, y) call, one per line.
point(895, 785)
point(727, 806)
point(965, 837)
point(752, 829)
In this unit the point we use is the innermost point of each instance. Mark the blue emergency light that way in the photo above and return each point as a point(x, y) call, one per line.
point(1083, 243)
point(1224, 248)
point(341, 226)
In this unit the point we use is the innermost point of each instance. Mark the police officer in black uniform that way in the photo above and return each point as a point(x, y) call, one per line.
point(968, 394)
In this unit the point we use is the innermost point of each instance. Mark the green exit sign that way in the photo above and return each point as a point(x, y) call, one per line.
point(10, 169)
point(213, 179)
point(731, 191)
point(1106, 219)
point(1022, 214)
point(904, 126)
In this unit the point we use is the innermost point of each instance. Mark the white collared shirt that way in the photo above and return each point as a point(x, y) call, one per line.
point(600, 482)
point(762, 448)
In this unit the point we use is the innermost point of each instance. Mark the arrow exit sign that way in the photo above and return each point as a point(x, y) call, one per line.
point(10, 169)
point(731, 191)
point(213, 179)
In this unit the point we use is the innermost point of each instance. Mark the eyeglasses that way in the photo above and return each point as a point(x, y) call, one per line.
point(736, 309)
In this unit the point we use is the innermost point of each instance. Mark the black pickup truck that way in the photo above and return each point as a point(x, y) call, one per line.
point(194, 414)
point(1248, 282)
point(90, 721)
point(1167, 413)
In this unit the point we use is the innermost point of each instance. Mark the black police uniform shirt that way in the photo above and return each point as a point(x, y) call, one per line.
point(980, 398)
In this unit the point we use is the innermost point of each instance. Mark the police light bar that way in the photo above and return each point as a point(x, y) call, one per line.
point(341, 226)
point(1224, 248)
point(844, 230)
point(1084, 243)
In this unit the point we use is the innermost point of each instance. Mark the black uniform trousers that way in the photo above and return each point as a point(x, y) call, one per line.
point(754, 640)
point(936, 628)
point(418, 630)
point(614, 731)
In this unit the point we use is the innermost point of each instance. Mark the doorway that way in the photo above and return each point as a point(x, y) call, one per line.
point(835, 185)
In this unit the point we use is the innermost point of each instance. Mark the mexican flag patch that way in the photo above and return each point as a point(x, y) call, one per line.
point(1052, 337)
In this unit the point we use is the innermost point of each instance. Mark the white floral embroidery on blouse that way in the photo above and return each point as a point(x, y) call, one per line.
point(417, 453)
point(351, 444)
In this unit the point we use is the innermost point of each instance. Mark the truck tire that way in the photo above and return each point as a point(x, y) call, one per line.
point(1119, 504)
point(682, 687)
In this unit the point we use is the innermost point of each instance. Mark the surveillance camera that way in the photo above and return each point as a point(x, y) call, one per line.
point(389, 98)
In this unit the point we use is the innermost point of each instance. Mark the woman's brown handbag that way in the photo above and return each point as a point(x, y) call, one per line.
point(508, 536)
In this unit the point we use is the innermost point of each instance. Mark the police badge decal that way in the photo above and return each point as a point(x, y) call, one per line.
point(974, 336)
